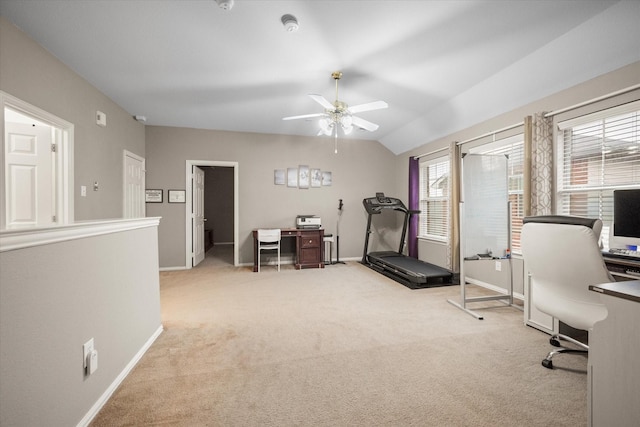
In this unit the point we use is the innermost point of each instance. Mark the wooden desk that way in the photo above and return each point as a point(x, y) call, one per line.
point(614, 345)
point(309, 247)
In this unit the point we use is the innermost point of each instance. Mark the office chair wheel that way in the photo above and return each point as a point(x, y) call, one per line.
point(547, 364)
point(554, 342)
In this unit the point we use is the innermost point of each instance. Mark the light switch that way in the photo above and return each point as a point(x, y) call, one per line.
point(83, 191)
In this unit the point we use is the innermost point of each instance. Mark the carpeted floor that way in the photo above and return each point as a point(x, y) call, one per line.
point(340, 346)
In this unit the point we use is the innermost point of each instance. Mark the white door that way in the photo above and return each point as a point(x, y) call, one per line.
point(30, 175)
point(197, 201)
point(134, 204)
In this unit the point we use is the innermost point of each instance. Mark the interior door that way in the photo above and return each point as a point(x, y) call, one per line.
point(30, 175)
point(134, 204)
point(198, 215)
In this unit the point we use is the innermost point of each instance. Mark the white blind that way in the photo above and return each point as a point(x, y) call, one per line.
point(434, 199)
point(600, 153)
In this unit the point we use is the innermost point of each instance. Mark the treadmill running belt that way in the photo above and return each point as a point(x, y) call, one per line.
point(412, 272)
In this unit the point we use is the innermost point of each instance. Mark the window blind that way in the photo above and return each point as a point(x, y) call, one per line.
point(434, 199)
point(600, 153)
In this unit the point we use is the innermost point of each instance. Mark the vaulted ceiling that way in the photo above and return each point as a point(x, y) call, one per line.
point(440, 65)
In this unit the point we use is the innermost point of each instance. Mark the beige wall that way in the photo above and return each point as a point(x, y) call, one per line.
point(358, 170)
point(32, 74)
point(57, 296)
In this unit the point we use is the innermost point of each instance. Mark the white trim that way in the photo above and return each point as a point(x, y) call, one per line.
point(189, 195)
point(64, 164)
point(25, 238)
point(116, 383)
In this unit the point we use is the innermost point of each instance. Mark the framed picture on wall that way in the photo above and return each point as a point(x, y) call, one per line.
point(316, 178)
point(326, 178)
point(177, 196)
point(153, 196)
point(278, 177)
point(303, 176)
point(292, 177)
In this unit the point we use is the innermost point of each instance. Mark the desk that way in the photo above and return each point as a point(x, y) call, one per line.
point(622, 268)
point(309, 247)
point(614, 345)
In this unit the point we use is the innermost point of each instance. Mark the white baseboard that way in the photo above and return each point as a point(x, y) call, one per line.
point(172, 268)
point(116, 383)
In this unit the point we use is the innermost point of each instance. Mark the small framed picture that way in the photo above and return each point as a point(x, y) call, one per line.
point(278, 176)
point(177, 196)
point(326, 178)
point(303, 176)
point(316, 178)
point(292, 177)
point(153, 196)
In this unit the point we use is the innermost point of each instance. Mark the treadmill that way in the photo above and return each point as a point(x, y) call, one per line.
point(411, 272)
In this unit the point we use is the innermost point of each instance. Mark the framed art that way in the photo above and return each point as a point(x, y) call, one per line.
point(177, 196)
point(292, 177)
point(316, 178)
point(153, 196)
point(326, 178)
point(278, 176)
point(303, 176)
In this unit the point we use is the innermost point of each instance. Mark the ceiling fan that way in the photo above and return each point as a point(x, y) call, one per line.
point(339, 114)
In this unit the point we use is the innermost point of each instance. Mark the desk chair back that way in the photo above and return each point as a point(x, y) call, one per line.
point(268, 239)
point(563, 258)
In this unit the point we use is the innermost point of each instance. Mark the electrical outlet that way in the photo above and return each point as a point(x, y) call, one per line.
point(498, 266)
point(87, 349)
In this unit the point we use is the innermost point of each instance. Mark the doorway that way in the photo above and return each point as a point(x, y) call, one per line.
point(189, 209)
point(37, 160)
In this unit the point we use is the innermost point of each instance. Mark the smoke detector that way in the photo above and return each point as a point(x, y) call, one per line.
point(290, 23)
point(225, 4)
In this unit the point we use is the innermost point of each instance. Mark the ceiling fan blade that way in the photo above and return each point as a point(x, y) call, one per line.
point(375, 105)
point(364, 124)
point(304, 116)
point(322, 101)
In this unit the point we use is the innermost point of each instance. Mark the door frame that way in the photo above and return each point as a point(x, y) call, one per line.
point(189, 202)
point(125, 154)
point(64, 134)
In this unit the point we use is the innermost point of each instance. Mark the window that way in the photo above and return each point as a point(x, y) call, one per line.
point(434, 199)
point(598, 154)
point(513, 148)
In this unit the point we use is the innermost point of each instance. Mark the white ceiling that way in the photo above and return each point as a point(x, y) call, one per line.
point(440, 65)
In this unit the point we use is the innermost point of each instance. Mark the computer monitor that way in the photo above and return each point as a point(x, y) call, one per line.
point(626, 219)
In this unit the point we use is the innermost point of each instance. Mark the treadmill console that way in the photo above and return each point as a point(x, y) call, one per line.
point(374, 205)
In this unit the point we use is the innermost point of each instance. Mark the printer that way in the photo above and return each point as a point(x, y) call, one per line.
point(308, 221)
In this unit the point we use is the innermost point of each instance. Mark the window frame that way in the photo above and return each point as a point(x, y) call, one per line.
point(598, 196)
point(424, 217)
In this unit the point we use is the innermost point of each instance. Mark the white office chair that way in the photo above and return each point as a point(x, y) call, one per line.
point(563, 258)
point(268, 240)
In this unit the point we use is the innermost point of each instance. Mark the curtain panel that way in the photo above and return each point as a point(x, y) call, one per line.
point(453, 242)
point(538, 165)
point(414, 204)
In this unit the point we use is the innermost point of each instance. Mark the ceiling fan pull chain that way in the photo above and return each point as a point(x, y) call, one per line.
point(335, 150)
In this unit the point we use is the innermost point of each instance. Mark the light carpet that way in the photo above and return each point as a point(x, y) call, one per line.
point(340, 346)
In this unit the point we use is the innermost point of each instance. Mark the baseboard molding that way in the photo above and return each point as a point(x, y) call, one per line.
point(172, 268)
point(86, 420)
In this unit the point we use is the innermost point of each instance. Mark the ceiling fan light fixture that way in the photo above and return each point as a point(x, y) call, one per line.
point(225, 4)
point(326, 126)
point(290, 23)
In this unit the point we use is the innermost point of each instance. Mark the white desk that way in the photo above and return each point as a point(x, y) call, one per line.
point(614, 352)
